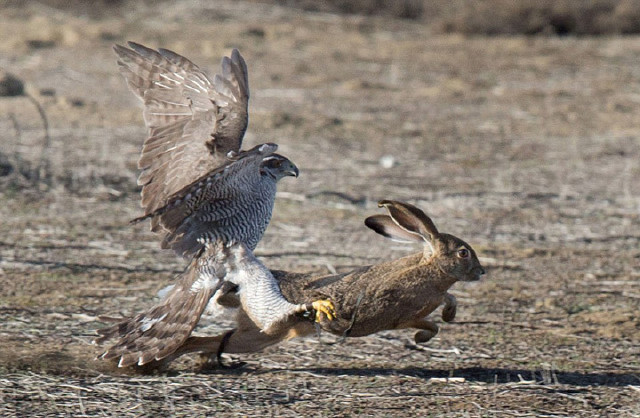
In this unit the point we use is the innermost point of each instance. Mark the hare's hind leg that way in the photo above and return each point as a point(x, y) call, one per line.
point(235, 341)
point(206, 345)
point(248, 338)
point(245, 338)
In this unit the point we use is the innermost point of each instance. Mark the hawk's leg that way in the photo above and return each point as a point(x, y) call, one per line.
point(317, 309)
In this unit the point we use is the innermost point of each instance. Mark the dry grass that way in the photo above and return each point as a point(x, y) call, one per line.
point(525, 147)
point(402, 391)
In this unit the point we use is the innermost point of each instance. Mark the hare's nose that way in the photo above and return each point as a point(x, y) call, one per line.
point(479, 271)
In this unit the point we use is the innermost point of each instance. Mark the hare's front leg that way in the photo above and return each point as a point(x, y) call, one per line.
point(428, 329)
point(450, 307)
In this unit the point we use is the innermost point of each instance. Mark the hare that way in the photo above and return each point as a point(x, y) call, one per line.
point(396, 294)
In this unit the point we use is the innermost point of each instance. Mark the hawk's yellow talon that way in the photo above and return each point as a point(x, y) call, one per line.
point(324, 307)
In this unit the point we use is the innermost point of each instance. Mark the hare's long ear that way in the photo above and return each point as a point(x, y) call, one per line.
point(385, 226)
point(411, 219)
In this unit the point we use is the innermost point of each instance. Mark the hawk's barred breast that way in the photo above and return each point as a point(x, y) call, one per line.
point(235, 208)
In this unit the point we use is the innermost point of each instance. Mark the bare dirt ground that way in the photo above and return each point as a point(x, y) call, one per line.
point(525, 147)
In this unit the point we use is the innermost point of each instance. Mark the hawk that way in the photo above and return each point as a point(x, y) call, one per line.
point(197, 186)
point(209, 200)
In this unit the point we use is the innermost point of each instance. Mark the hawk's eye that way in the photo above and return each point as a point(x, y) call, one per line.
point(463, 253)
point(277, 163)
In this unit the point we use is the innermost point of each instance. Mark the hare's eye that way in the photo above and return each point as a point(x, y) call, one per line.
point(463, 253)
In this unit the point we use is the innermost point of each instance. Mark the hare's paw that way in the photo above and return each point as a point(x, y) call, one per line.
point(450, 308)
point(428, 330)
point(424, 335)
point(449, 313)
point(324, 307)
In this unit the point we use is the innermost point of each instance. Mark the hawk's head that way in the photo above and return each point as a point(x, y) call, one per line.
point(277, 166)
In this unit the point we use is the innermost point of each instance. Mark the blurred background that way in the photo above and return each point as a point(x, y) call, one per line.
point(513, 124)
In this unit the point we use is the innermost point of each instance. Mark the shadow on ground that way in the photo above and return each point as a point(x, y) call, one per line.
point(488, 375)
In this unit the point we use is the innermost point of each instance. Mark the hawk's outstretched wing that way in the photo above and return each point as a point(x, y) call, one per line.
point(197, 186)
point(193, 121)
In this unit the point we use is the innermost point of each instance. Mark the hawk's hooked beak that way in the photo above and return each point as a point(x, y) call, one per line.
point(292, 171)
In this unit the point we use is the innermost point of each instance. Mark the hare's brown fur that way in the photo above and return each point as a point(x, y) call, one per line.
point(374, 298)
point(395, 294)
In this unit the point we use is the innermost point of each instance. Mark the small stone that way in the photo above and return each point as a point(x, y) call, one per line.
point(6, 167)
point(10, 85)
point(387, 161)
point(255, 32)
point(40, 43)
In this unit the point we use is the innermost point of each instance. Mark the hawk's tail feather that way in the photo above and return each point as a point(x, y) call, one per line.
point(155, 334)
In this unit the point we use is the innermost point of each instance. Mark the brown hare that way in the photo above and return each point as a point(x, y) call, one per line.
point(396, 294)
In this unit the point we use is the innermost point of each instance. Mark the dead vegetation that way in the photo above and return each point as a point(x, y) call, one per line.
point(405, 391)
point(473, 17)
point(548, 17)
point(526, 146)
point(498, 17)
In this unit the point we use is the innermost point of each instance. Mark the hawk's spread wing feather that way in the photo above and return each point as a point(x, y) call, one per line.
point(193, 121)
